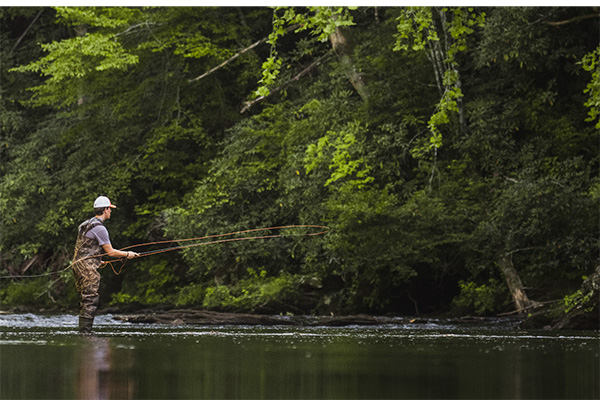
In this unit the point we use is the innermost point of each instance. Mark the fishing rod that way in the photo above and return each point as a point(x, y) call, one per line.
point(325, 229)
point(123, 260)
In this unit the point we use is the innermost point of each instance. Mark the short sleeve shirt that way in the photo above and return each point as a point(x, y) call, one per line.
point(100, 233)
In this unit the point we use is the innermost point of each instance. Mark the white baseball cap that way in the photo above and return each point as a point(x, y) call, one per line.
point(103, 201)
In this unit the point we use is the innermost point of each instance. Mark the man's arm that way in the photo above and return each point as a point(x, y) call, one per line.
point(108, 249)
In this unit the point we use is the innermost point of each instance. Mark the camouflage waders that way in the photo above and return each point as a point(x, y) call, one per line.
point(87, 278)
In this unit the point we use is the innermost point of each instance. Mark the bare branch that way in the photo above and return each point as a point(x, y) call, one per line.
point(26, 30)
point(228, 60)
point(29, 264)
point(253, 45)
point(249, 104)
point(134, 27)
point(574, 19)
point(535, 305)
point(510, 253)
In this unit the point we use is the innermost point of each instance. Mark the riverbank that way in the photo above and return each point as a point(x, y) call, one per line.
point(541, 319)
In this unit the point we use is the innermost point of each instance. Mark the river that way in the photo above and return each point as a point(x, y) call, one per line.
point(42, 357)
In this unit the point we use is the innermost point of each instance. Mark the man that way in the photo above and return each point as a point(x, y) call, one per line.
point(92, 243)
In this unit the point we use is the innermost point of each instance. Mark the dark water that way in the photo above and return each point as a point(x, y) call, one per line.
point(44, 358)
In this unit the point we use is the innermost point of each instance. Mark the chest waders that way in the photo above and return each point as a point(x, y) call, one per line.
point(87, 278)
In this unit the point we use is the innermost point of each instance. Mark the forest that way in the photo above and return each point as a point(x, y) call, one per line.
point(451, 153)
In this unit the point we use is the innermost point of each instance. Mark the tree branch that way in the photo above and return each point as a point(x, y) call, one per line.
point(228, 60)
point(510, 253)
point(535, 305)
point(134, 27)
point(26, 30)
point(574, 19)
point(253, 45)
point(29, 264)
point(249, 104)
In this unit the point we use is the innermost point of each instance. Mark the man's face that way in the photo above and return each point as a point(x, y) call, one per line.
point(107, 213)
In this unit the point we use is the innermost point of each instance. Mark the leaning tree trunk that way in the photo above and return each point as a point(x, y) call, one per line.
point(81, 31)
point(343, 48)
point(513, 281)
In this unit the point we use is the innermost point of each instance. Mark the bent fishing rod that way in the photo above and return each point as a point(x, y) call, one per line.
point(322, 230)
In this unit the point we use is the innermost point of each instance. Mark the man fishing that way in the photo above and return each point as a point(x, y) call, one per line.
point(93, 242)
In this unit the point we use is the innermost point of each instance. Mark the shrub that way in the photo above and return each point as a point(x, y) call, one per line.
point(482, 299)
point(191, 295)
point(251, 294)
point(32, 292)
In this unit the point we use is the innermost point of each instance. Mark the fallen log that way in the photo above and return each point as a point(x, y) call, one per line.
point(201, 317)
point(212, 318)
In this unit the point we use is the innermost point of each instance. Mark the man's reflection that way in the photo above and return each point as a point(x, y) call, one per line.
point(94, 362)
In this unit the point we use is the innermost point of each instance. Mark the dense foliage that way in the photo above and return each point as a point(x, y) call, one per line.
point(452, 152)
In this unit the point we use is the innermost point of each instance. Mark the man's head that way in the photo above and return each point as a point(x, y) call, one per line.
point(103, 205)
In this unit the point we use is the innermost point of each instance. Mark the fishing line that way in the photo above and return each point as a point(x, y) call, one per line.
point(123, 260)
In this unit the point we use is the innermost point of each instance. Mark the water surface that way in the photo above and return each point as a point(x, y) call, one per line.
point(43, 357)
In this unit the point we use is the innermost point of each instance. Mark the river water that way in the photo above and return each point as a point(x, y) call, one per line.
point(42, 357)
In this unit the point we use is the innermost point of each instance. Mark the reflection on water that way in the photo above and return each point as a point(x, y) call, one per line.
point(93, 365)
point(46, 358)
point(96, 376)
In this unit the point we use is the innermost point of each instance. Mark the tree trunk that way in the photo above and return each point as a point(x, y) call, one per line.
point(343, 47)
point(81, 31)
point(513, 281)
point(436, 58)
point(460, 104)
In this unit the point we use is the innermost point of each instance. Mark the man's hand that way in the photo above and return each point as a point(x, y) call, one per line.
point(118, 253)
point(132, 254)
